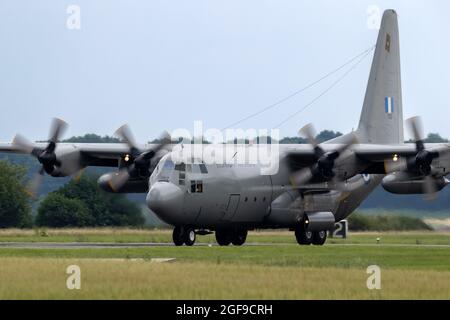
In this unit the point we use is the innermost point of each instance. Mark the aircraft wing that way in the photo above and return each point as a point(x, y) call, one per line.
point(371, 158)
point(91, 154)
point(381, 153)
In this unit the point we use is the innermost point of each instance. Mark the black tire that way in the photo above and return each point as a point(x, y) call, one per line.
point(319, 238)
point(223, 237)
point(303, 236)
point(239, 237)
point(189, 236)
point(177, 236)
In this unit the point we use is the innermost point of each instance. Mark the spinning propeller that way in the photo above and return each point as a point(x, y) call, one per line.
point(46, 156)
point(419, 164)
point(323, 168)
point(139, 161)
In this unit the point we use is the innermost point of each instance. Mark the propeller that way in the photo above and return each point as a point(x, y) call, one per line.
point(419, 164)
point(46, 156)
point(323, 167)
point(139, 160)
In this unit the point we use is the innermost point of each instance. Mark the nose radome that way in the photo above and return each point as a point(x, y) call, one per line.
point(165, 199)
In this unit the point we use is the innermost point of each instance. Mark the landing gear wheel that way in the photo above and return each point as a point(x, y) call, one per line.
point(239, 237)
point(303, 236)
point(177, 236)
point(189, 236)
point(319, 238)
point(223, 237)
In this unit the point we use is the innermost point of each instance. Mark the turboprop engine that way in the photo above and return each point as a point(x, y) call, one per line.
point(106, 181)
point(404, 183)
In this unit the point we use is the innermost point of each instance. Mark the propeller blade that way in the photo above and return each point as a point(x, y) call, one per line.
point(429, 188)
point(23, 144)
point(125, 134)
point(346, 142)
point(309, 133)
point(415, 127)
point(164, 140)
point(35, 183)
point(77, 176)
point(119, 179)
point(57, 130)
point(301, 177)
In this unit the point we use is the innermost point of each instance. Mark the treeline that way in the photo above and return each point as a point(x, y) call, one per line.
point(79, 203)
point(322, 136)
point(362, 222)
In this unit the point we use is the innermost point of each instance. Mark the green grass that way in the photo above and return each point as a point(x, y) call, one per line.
point(280, 269)
point(120, 235)
point(410, 257)
point(30, 278)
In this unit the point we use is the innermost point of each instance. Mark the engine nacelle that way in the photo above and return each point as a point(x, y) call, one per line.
point(131, 186)
point(403, 183)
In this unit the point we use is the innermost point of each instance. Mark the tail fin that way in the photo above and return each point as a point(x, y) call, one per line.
point(382, 114)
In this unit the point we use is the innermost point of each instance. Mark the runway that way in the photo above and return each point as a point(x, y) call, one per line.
point(103, 245)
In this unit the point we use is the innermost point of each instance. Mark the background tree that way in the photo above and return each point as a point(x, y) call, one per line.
point(102, 208)
point(58, 211)
point(15, 210)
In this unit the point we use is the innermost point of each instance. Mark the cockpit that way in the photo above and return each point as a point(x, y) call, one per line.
point(164, 171)
point(180, 174)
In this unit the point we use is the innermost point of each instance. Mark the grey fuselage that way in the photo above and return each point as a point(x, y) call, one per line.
point(225, 195)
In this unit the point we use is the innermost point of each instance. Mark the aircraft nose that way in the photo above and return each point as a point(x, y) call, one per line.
point(166, 200)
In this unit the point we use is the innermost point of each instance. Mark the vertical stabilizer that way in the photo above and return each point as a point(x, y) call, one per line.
point(382, 114)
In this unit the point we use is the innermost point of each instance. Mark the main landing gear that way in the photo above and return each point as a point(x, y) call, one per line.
point(226, 236)
point(183, 235)
point(187, 235)
point(307, 237)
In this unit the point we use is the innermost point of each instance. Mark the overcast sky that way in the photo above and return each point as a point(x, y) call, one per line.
point(164, 64)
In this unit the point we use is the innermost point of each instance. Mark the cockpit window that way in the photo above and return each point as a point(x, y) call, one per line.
point(199, 168)
point(180, 167)
point(166, 170)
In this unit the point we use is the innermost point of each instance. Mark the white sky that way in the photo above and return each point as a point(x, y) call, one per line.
point(164, 64)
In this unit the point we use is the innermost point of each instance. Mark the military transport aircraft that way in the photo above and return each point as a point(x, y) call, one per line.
point(315, 186)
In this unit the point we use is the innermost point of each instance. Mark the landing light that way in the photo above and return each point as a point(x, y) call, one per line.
point(127, 158)
point(395, 158)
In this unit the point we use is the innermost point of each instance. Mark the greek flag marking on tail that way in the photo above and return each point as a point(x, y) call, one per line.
point(389, 105)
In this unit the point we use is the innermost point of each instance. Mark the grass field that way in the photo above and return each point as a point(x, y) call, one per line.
point(278, 270)
point(120, 235)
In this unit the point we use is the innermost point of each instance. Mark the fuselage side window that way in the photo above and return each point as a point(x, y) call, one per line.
point(203, 168)
point(181, 167)
point(196, 186)
point(199, 186)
